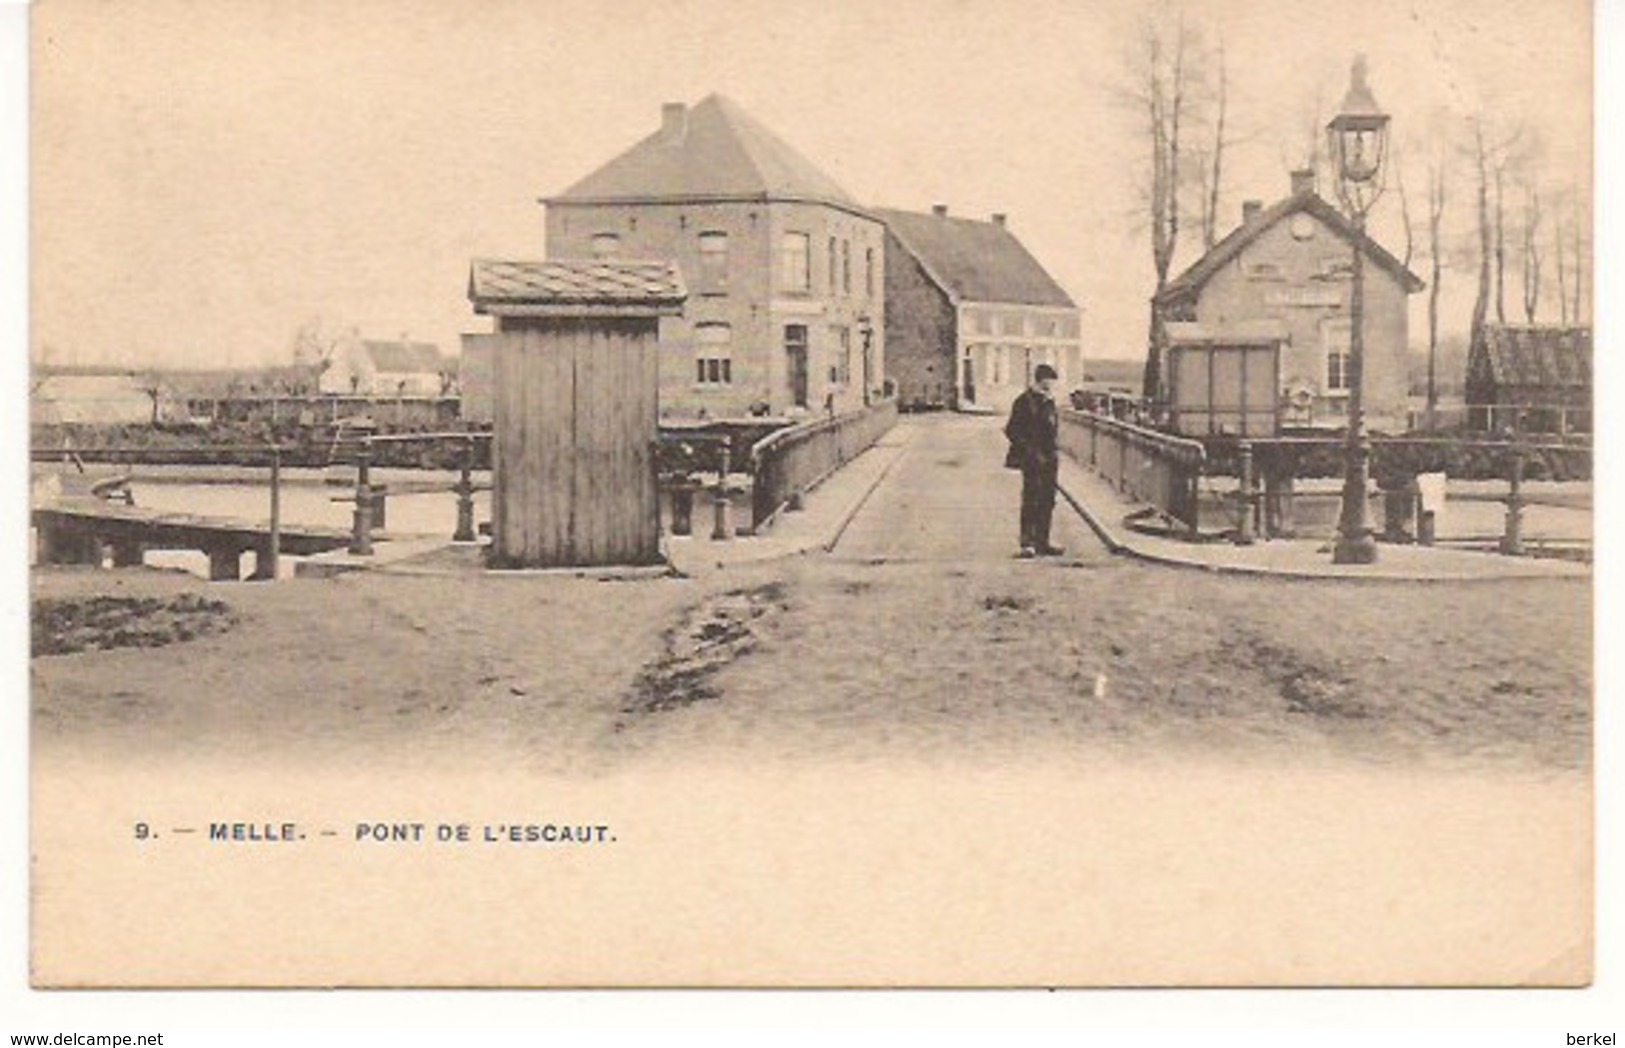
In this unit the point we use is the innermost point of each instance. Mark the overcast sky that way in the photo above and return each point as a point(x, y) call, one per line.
point(209, 175)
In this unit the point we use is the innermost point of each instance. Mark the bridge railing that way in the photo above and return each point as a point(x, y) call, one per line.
point(1155, 468)
point(787, 464)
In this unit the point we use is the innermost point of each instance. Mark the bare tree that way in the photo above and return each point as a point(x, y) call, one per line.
point(1213, 170)
point(1481, 302)
point(1499, 170)
point(1577, 231)
point(1531, 250)
point(1404, 209)
point(1561, 258)
point(1163, 92)
point(314, 343)
point(1437, 178)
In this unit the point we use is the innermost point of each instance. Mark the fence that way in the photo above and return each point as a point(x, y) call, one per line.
point(1155, 468)
point(787, 464)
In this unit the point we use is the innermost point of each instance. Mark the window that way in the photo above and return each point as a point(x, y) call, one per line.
point(832, 270)
point(713, 261)
point(982, 322)
point(1264, 271)
point(846, 267)
point(713, 355)
point(795, 262)
point(840, 372)
point(869, 272)
point(1011, 324)
point(1334, 336)
point(606, 245)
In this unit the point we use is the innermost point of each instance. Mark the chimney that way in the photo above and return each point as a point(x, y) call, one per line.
point(1303, 180)
point(673, 121)
point(940, 210)
point(1250, 210)
point(999, 218)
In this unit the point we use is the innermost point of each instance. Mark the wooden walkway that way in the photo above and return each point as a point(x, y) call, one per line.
point(77, 531)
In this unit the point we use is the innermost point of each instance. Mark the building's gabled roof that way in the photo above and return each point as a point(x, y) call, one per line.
point(405, 357)
point(1192, 280)
point(1544, 356)
point(974, 261)
point(575, 287)
point(712, 151)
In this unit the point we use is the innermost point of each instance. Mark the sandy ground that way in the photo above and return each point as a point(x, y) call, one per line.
point(1382, 747)
point(920, 635)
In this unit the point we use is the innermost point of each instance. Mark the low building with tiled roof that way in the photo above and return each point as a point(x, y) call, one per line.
point(782, 268)
point(970, 312)
point(1536, 378)
point(1287, 268)
point(382, 368)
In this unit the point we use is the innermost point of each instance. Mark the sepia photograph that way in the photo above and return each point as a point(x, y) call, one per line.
point(810, 495)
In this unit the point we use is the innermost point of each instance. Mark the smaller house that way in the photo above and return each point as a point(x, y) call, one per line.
point(970, 313)
point(1534, 378)
point(1258, 331)
point(372, 368)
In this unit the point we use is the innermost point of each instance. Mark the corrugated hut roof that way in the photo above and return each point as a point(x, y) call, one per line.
point(974, 261)
point(716, 150)
point(1543, 355)
point(575, 285)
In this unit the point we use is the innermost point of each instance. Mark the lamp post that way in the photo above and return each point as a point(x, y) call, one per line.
point(1357, 139)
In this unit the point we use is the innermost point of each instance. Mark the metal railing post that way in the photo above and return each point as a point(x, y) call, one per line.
point(1244, 494)
point(722, 526)
point(1512, 541)
point(361, 529)
point(465, 496)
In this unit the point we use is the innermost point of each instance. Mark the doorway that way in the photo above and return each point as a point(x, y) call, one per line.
point(795, 358)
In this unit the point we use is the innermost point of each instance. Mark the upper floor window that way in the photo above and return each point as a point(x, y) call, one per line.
point(606, 245)
point(833, 273)
point(846, 267)
point(795, 262)
point(713, 261)
point(869, 272)
point(982, 322)
point(1011, 324)
point(1334, 337)
point(713, 355)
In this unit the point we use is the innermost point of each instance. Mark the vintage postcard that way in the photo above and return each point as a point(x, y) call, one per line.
point(948, 493)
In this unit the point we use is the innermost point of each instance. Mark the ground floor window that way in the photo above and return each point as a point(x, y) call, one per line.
point(713, 355)
point(1334, 336)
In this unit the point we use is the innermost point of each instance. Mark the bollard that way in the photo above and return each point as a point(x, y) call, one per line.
point(267, 560)
point(1244, 494)
point(361, 528)
point(1512, 541)
point(682, 508)
point(722, 526)
point(465, 497)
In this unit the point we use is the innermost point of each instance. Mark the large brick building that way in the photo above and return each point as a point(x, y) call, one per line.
point(1284, 274)
point(970, 313)
point(783, 268)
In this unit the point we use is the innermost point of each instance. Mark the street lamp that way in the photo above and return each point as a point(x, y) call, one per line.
point(1357, 140)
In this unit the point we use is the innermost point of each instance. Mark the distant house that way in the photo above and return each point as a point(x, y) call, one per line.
point(1536, 378)
point(970, 312)
point(371, 368)
point(123, 399)
point(783, 268)
point(1276, 291)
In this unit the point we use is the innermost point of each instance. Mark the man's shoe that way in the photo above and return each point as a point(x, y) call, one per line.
point(1051, 551)
point(1027, 553)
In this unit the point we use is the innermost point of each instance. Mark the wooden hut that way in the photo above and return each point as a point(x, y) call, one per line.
point(575, 382)
point(1534, 378)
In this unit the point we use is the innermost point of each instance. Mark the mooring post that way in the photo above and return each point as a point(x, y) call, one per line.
point(1244, 494)
point(722, 527)
point(1512, 541)
point(361, 531)
point(267, 560)
point(465, 496)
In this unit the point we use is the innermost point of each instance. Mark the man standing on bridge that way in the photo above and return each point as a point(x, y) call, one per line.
point(1032, 434)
